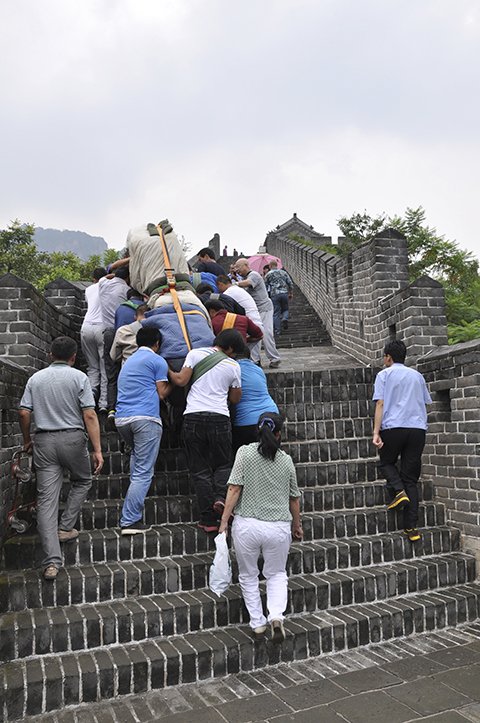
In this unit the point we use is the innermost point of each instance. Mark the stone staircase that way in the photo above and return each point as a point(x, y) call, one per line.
point(130, 614)
point(305, 328)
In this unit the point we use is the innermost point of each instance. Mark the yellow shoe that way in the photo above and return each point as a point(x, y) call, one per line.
point(401, 500)
point(412, 534)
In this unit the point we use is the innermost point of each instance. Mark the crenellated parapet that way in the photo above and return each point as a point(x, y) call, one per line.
point(365, 297)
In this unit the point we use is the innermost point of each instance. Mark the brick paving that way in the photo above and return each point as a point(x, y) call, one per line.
point(429, 677)
point(129, 631)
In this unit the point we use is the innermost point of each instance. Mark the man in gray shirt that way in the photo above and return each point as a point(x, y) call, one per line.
point(112, 292)
point(254, 284)
point(61, 400)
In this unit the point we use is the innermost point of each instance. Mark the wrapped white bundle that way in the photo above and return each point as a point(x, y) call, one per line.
point(147, 266)
point(146, 257)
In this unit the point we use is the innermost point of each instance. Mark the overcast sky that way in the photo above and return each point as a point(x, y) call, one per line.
point(229, 116)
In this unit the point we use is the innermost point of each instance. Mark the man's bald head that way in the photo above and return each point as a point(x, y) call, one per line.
point(242, 267)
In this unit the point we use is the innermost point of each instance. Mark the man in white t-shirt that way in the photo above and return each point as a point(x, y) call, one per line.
point(206, 424)
point(242, 297)
point(91, 337)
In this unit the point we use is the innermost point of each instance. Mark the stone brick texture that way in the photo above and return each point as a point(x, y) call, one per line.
point(452, 452)
point(134, 614)
point(365, 297)
point(12, 382)
point(29, 321)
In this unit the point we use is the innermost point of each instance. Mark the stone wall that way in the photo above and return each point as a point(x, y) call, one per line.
point(29, 321)
point(12, 382)
point(452, 452)
point(365, 298)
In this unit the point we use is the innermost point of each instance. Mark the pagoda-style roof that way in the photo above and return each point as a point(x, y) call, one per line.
point(297, 227)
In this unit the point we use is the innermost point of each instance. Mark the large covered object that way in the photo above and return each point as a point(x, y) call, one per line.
point(173, 344)
point(147, 266)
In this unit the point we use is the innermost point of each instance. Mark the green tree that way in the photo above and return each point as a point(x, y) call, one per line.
point(433, 255)
point(361, 227)
point(430, 254)
point(19, 255)
point(18, 251)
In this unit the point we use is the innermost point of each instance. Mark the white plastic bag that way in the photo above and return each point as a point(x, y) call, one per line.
point(221, 570)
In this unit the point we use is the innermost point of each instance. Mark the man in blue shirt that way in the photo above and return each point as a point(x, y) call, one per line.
point(125, 313)
point(399, 430)
point(142, 382)
point(206, 262)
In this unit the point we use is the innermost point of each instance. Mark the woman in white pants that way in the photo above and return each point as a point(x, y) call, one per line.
point(264, 494)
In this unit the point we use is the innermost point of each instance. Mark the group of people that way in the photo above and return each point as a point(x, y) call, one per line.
point(231, 425)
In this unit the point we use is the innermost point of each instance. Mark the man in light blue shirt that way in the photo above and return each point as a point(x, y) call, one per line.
point(142, 382)
point(399, 431)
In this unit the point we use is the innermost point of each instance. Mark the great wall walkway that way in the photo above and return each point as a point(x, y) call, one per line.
point(378, 629)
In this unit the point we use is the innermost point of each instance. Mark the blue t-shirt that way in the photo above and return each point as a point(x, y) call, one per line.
point(208, 278)
point(404, 395)
point(137, 392)
point(255, 397)
point(125, 314)
point(212, 267)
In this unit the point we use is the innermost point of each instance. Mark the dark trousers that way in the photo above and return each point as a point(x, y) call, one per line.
point(246, 434)
point(112, 369)
point(208, 441)
point(406, 443)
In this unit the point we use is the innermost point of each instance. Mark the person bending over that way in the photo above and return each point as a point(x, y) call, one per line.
point(142, 382)
point(215, 378)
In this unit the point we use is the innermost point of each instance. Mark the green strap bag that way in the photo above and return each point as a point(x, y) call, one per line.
point(206, 364)
point(196, 279)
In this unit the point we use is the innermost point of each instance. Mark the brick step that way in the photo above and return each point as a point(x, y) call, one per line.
point(81, 627)
point(304, 430)
point(161, 509)
point(353, 471)
point(330, 450)
point(356, 378)
point(158, 510)
point(353, 496)
point(115, 486)
point(168, 460)
point(45, 684)
point(23, 552)
point(316, 450)
point(370, 521)
point(99, 582)
point(301, 339)
point(331, 412)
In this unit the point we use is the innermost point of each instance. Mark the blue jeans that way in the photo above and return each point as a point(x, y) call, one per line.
point(143, 436)
point(280, 309)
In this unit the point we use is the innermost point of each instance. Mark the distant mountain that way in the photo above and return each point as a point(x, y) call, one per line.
point(81, 243)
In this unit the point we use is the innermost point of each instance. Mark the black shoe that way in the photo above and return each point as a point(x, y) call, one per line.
point(110, 422)
point(135, 528)
point(278, 632)
point(285, 324)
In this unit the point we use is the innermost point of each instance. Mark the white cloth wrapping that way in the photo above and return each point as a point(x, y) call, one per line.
point(146, 257)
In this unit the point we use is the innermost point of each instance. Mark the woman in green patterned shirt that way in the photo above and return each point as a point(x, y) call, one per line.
point(263, 492)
